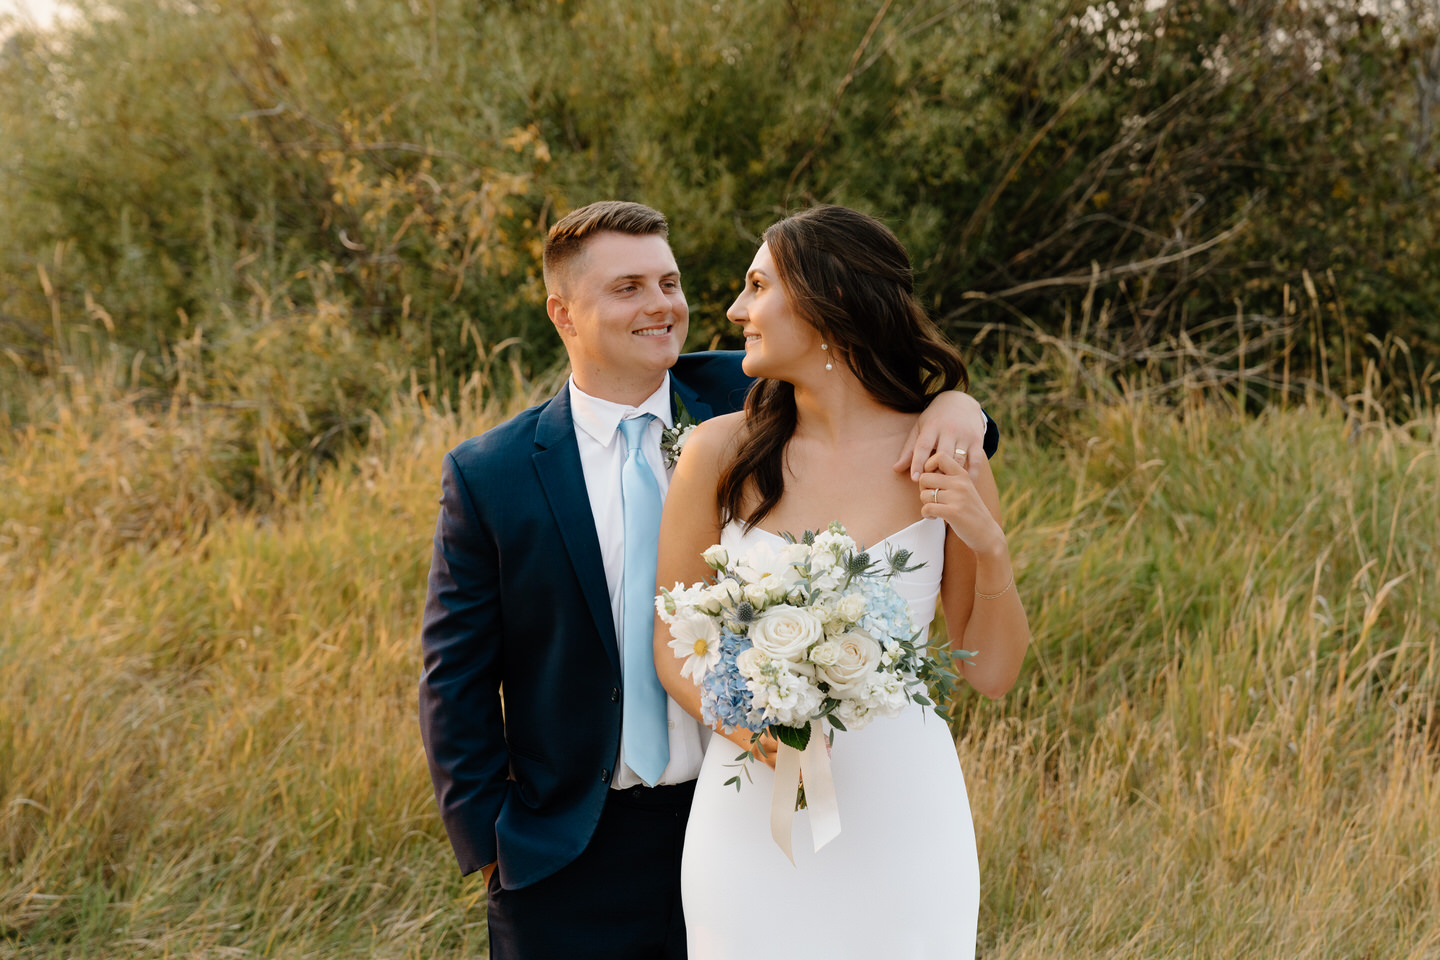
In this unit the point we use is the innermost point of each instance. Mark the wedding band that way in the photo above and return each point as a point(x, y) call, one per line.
point(935, 495)
point(959, 454)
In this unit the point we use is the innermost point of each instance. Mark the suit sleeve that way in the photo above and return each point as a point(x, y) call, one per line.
point(716, 377)
point(460, 713)
point(992, 436)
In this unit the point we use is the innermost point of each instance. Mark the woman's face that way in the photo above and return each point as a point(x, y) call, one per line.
point(778, 344)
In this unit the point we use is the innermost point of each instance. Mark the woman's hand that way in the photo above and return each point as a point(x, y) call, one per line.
point(953, 424)
point(948, 491)
point(746, 740)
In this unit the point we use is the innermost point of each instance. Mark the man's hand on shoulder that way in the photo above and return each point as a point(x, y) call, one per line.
point(953, 422)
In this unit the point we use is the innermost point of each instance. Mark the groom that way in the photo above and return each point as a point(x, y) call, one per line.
point(569, 789)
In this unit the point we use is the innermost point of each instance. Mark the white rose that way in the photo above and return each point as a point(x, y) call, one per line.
point(852, 607)
point(777, 591)
point(859, 653)
point(722, 596)
point(750, 663)
point(825, 654)
point(784, 632)
point(716, 557)
point(756, 594)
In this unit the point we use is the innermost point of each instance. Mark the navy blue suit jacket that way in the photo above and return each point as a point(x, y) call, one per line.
point(517, 597)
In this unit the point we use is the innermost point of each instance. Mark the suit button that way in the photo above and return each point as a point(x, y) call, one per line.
point(614, 694)
point(604, 776)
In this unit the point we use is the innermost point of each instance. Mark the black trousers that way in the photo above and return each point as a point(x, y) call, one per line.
point(619, 899)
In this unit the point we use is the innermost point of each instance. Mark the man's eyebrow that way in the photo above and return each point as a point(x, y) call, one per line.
point(641, 276)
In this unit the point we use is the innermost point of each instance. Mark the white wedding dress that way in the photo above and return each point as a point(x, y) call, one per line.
point(901, 881)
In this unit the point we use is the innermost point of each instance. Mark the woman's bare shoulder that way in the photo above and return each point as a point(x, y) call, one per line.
point(716, 438)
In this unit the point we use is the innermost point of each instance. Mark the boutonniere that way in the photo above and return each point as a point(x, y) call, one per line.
point(672, 439)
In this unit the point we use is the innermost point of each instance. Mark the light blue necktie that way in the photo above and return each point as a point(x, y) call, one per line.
point(645, 725)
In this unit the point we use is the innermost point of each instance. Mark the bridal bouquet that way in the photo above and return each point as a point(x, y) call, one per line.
point(787, 636)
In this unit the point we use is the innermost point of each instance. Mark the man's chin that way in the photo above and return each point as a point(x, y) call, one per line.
point(653, 366)
point(663, 355)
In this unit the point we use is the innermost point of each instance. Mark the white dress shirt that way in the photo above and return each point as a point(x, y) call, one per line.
point(602, 455)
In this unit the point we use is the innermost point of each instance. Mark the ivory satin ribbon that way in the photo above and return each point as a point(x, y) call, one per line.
point(814, 763)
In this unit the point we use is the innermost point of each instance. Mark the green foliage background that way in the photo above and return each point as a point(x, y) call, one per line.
point(351, 192)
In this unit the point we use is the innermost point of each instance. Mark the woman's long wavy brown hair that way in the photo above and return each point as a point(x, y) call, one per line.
point(846, 275)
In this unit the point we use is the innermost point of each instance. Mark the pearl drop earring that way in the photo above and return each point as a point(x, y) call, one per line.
point(828, 364)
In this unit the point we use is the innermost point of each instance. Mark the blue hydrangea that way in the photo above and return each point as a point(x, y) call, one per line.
point(887, 614)
point(725, 698)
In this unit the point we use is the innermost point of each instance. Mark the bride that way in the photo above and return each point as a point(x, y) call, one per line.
point(847, 360)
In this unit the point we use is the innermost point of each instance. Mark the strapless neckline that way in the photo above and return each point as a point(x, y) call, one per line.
point(885, 539)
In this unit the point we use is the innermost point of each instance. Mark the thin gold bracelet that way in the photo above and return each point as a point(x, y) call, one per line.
point(993, 596)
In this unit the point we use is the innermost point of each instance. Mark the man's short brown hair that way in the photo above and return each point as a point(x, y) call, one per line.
point(570, 234)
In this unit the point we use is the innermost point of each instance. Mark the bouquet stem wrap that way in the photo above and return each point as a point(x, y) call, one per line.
point(814, 763)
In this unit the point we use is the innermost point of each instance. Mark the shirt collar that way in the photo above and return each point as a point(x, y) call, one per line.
point(600, 419)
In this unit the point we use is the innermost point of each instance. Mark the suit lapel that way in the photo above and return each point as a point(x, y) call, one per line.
point(557, 461)
point(699, 410)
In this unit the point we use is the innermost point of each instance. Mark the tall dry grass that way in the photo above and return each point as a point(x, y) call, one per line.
point(1225, 742)
point(208, 745)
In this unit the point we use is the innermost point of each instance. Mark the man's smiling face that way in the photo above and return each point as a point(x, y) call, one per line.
point(622, 314)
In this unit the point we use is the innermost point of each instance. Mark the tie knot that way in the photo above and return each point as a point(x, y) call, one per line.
point(634, 429)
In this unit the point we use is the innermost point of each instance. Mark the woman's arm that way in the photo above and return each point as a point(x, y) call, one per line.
point(690, 524)
point(983, 611)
